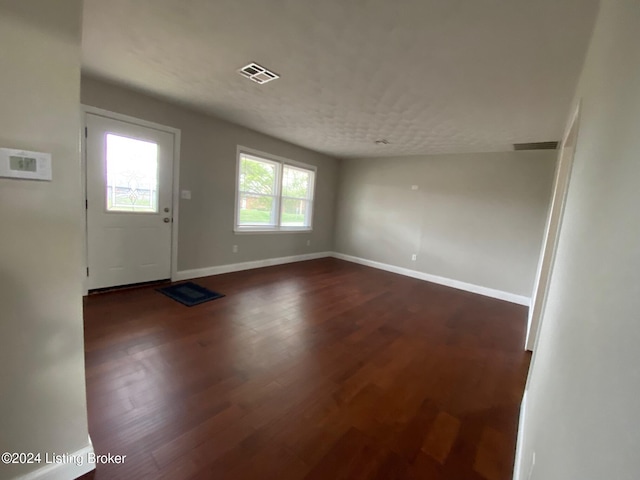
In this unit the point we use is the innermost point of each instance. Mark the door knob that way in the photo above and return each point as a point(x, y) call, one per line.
point(166, 219)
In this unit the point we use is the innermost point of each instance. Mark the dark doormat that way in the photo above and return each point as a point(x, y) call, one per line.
point(189, 293)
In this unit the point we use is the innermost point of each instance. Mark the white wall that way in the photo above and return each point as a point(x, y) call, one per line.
point(475, 218)
point(582, 394)
point(208, 169)
point(42, 384)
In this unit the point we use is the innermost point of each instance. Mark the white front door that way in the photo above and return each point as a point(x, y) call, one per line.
point(129, 202)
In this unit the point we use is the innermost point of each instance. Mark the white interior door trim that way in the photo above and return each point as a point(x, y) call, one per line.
point(85, 109)
point(552, 233)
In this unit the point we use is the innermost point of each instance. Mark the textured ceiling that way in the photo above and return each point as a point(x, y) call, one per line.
point(431, 76)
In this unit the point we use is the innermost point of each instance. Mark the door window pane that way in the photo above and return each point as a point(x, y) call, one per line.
point(132, 175)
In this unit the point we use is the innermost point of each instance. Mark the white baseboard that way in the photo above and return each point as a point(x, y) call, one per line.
point(77, 465)
point(468, 287)
point(517, 468)
point(238, 267)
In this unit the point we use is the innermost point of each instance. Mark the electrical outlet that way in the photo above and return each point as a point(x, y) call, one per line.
point(308, 243)
point(234, 249)
point(414, 257)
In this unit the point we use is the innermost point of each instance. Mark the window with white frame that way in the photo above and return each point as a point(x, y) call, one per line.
point(273, 194)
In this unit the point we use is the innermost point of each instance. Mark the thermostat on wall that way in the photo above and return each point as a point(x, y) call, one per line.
point(25, 164)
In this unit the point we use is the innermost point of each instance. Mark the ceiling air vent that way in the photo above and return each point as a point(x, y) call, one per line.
point(258, 74)
point(536, 146)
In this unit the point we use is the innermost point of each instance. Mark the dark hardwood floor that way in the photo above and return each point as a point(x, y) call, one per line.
point(318, 370)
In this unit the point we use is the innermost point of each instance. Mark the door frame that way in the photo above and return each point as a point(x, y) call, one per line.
point(550, 245)
point(175, 194)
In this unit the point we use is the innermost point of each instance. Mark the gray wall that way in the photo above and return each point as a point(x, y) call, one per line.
point(42, 385)
point(476, 218)
point(208, 169)
point(582, 412)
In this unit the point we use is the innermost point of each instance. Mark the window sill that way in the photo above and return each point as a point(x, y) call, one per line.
point(254, 231)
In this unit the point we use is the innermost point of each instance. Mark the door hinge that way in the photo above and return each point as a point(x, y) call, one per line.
point(85, 132)
point(86, 204)
point(87, 271)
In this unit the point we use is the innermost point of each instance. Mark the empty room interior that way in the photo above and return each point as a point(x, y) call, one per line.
point(317, 240)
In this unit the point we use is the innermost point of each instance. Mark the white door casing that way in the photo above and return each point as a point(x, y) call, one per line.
point(129, 212)
point(552, 230)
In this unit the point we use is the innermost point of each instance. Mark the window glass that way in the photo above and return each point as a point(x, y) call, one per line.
point(273, 195)
point(296, 182)
point(257, 176)
point(257, 188)
point(295, 213)
point(132, 175)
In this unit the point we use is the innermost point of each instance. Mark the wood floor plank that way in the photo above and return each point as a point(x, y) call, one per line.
point(355, 456)
point(441, 436)
point(319, 369)
point(493, 458)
